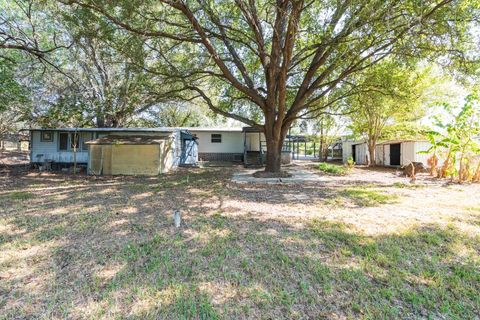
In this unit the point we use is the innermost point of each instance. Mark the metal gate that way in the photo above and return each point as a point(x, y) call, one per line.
point(189, 152)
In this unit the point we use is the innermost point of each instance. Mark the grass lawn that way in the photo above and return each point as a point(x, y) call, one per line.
point(87, 248)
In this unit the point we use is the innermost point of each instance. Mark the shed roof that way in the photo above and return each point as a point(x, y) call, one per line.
point(400, 141)
point(130, 140)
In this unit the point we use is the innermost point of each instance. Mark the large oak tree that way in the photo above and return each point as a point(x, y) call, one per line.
point(268, 63)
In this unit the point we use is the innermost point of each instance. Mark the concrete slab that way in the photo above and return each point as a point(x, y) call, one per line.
point(299, 175)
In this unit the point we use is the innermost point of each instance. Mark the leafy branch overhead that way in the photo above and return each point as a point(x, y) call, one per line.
point(285, 55)
point(268, 63)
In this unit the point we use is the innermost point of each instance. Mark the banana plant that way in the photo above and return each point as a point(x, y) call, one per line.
point(436, 145)
point(457, 142)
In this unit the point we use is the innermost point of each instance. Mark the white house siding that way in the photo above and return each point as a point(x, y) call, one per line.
point(253, 140)
point(232, 142)
point(422, 146)
point(176, 146)
point(231, 147)
point(407, 152)
point(42, 151)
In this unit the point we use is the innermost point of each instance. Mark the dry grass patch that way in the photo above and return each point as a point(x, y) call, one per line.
point(242, 252)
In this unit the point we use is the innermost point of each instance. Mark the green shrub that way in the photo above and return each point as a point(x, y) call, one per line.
point(350, 162)
point(332, 169)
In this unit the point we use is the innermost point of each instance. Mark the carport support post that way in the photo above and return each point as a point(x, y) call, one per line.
point(245, 149)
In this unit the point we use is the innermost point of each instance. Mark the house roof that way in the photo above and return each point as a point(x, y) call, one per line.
point(131, 140)
point(386, 142)
point(214, 129)
point(157, 129)
point(251, 129)
point(161, 129)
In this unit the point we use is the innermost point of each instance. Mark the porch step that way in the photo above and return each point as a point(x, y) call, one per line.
point(252, 158)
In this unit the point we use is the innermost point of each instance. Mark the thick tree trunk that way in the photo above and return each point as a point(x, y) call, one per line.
point(274, 139)
point(274, 157)
point(371, 152)
point(325, 155)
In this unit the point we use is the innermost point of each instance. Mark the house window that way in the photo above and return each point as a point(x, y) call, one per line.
point(63, 141)
point(69, 141)
point(86, 136)
point(46, 136)
point(216, 138)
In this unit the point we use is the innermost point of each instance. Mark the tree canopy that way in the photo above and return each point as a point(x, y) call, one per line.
point(268, 63)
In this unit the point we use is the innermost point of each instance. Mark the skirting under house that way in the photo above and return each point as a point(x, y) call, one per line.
point(219, 156)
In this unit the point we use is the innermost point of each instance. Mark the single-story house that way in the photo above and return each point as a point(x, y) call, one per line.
point(145, 150)
point(247, 145)
point(117, 148)
point(387, 153)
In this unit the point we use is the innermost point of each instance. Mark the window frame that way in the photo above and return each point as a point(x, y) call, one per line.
point(83, 138)
point(42, 136)
point(81, 147)
point(216, 139)
point(60, 141)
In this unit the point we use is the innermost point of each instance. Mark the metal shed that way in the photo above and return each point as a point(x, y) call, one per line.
point(140, 154)
point(130, 155)
point(358, 150)
point(401, 152)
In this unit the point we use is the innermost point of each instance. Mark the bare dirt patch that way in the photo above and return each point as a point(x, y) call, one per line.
point(13, 157)
point(264, 174)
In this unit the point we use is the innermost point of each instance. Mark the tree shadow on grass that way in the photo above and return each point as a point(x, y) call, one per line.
point(274, 270)
point(110, 263)
point(228, 267)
